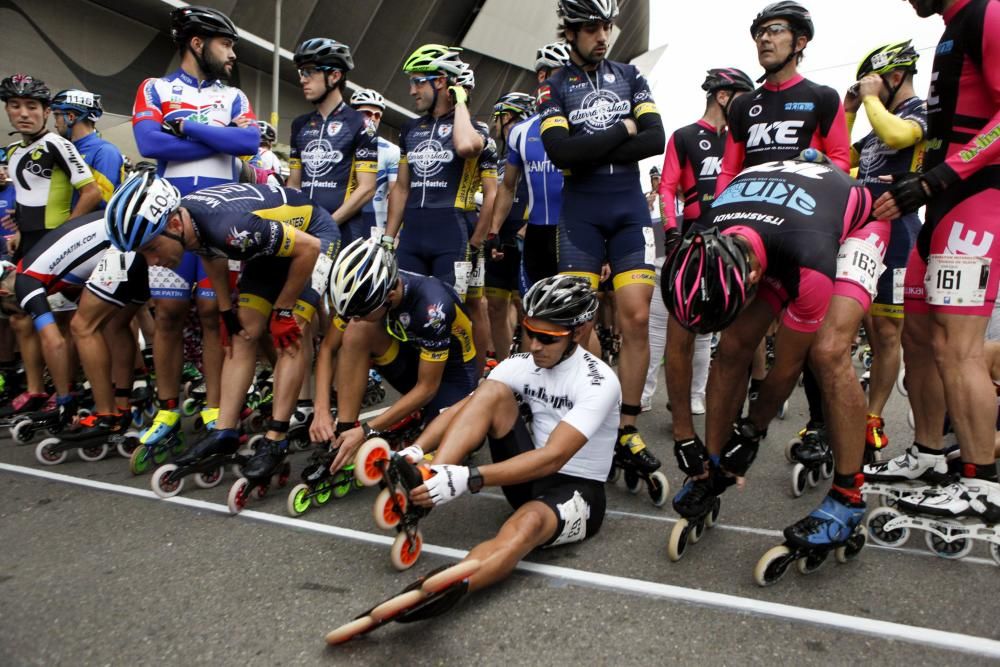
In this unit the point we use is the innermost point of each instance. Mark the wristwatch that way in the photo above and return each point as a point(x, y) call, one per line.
point(475, 479)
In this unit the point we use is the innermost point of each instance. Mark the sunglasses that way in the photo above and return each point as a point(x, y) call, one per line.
point(772, 30)
point(541, 335)
point(371, 114)
point(421, 80)
point(310, 72)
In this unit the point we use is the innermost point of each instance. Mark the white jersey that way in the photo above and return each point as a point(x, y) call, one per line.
point(582, 391)
point(388, 168)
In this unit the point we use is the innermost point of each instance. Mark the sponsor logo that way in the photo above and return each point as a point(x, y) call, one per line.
point(144, 114)
point(705, 144)
point(768, 191)
point(539, 394)
point(755, 110)
point(599, 110)
point(333, 129)
point(799, 106)
point(428, 158)
point(783, 132)
point(945, 47)
point(404, 319)
point(710, 167)
point(609, 78)
point(319, 157)
point(980, 143)
point(747, 215)
point(444, 131)
point(238, 239)
point(435, 316)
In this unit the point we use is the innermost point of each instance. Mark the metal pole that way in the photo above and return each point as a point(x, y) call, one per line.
point(276, 64)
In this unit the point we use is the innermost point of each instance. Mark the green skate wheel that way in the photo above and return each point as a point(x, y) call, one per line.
point(298, 500)
point(338, 487)
point(140, 462)
point(190, 407)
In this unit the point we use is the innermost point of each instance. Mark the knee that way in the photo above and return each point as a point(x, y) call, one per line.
point(359, 335)
point(635, 321)
point(82, 327)
point(887, 334)
point(170, 318)
point(829, 352)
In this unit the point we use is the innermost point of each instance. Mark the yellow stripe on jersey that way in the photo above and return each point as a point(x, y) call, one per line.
point(294, 163)
point(389, 355)
point(461, 328)
point(366, 167)
point(287, 241)
point(106, 187)
point(294, 216)
point(643, 109)
point(339, 323)
point(436, 356)
point(555, 121)
point(465, 194)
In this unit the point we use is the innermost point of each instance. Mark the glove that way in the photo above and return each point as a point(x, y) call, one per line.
point(911, 191)
point(285, 331)
point(458, 94)
point(492, 243)
point(692, 456)
point(448, 483)
point(388, 242)
point(173, 126)
point(413, 453)
point(229, 326)
point(671, 240)
point(741, 450)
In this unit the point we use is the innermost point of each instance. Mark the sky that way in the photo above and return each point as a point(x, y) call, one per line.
point(716, 33)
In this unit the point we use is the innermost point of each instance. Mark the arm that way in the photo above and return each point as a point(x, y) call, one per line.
point(361, 195)
point(227, 140)
point(582, 150)
point(429, 374)
point(294, 179)
point(397, 199)
point(485, 213)
point(90, 199)
point(835, 141)
point(669, 181)
point(648, 140)
point(217, 270)
point(504, 197)
point(895, 132)
point(322, 428)
point(305, 250)
point(469, 143)
point(563, 443)
point(154, 143)
point(732, 162)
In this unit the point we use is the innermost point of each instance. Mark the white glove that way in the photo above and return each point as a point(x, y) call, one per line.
point(413, 453)
point(448, 483)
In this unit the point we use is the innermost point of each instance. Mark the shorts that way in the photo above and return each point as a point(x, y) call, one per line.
point(431, 241)
point(887, 302)
point(539, 257)
point(502, 276)
point(477, 279)
point(355, 228)
point(263, 278)
point(179, 282)
point(399, 367)
point(134, 290)
point(28, 241)
point(966, 229)
point(579, 504)
point(610, 220)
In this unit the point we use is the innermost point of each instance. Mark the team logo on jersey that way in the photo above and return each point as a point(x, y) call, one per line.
point(428, 158)
point(599, 110)
point(609, 78)
point(779, 193)
point(435, 316)
point(799, 106)
point(755, 110)
point(237, 239)
point(319, 157)
point(705, 144)
point(782, 132)
point(711, 166)
point(334, 128)
point(873, 160)
point(444, 131)
point(404, 319)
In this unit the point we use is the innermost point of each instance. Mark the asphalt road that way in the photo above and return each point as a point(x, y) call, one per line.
point(95, 571)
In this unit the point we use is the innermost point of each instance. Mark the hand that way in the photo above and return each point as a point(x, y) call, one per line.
point(174, 126)
point(448, 483)
point(870, 84)
point(229, 326)
point(285, 331)
point(908, 193)
point(347, 443)
point(631, 126)
point(852, 101)
point(322, 428)
point(14, 242)
point(493, 247)
point(413, 453)
point(8, 223)
point(605, 273)
point(458, 95)
point(242, 121)
point(671, 241)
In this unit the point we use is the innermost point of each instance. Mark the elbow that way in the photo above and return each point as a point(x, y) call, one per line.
point(468, 150)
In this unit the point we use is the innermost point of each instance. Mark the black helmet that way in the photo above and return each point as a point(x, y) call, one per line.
point(186, 22)
point(797, 15)
point(267, 131)
point(324, 52)
point(565, 300)
point(587, 11)
point(519, 105)
point(26, 86)
point(927, 8)
point(726, 78)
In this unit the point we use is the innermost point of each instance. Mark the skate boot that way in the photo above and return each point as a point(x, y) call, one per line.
point(638, 464)
point(813, 459)
point(206, 460)
point(915, 468)
point(58, 413)
point(142, 401)
point(298, 426)
point(429, 596)
point(875, 438)
point(206, 419)
point(20, 407)
point(93, 436)
point(267, 461)
point(699, 504)
point(404, 432)
point(319, 484)
point(163, 438)
point(375, 463)
point(833, 526)
point(374, 392)
point(952, 517)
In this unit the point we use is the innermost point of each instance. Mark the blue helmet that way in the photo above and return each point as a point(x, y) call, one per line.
point(138, 210)
point(86, 105)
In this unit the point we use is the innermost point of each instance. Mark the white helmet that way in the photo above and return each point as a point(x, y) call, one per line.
point(552, 55)
point(369, 97)
point(362, 277)
point(466, 78)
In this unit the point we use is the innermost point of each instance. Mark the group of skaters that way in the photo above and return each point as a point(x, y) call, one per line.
point(467, 268)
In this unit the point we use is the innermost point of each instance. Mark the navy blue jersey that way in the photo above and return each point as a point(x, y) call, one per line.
point(518, 215)
point(876, 159)
point(430, 316)
point(439, 176)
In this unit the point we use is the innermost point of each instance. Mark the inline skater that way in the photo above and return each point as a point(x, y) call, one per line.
point(777, 231)
point(894, 146)
point(598, 120)
point(75, 113)
point(551, 472)
point(438, 167)
point(282, 236)
point(950, 285)
point(334, 155)
point(411, 328)
point(690, 168)
point(194, 126)
point(509, 218)
point(372, 105)
point(265, 162)
point(46, 170)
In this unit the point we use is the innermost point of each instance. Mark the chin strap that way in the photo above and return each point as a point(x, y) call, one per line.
point(774, 69)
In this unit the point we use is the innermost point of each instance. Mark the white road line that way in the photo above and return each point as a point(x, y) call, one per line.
point(882, 629)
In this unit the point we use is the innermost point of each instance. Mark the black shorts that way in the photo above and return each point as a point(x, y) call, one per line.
point(579, 504)
point(134, 290)
point(539, 257)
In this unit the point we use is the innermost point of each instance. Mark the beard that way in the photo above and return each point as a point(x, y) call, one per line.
point(214, 68)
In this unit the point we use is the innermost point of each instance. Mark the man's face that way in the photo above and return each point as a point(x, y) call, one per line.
point(163, 250)
point(218, 56)
point(372, 113)
point(593, 40)
point(422, 87)
point(545, 341)
point(654, 182)
point(64, 122)
point(314, 81)
point(774, 40)
point(27, 116)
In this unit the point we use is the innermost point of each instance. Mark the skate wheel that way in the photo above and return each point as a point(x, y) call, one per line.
point(772, 566)
point(614, 474)
point(447, 578)
point(877, 521)
point(790, 448)
point(358, 626)
point(128, 444)
point(162, 485)
point(810, 563)
point(910, 419)
point(94, 453)
point(209, 480)
point(339, 486)
point(198, 425)
point(800, 479)
point(826, 471)
point(678, 540)
point(47, 454)
point(22, 431)
point(956, 548)
point(658, 488)
point(140, 460)
point(901, 384)
point(696, 531)
point(855, 543)
point(385, 511)
point(395, 606)
point(405, 551)
point(370, 461)
point(712, 517)
point(632, 482)
point(237, 498)
point(783, 410)
point(995, 552)
point(262, 491)
point(298, 500)
point(254, 442)
point(299, 441)
point(189, 408)
point(812, 478)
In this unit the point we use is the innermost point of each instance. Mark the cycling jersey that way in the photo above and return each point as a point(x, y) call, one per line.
point(487, 166)
point(795, 216)
point(779, 121)
point(331, 152)
point(377, 209)
point(544, 182)
point(581, 391)
point(44, 174)
point(203, 156)
point(8, 200)
point(518, 215)
point(691, 166)
point(105, 162)
point(439, 177)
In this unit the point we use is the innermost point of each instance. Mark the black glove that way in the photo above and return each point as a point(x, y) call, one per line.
point(492, 243)
point(671, 239)
point(741, 450)
point(911, 191)
point(173, 126)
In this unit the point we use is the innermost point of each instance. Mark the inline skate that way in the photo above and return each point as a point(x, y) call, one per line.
point(92, 437)
point(633, 459)
point(812, 456)
point(142, 402)
point(699, 504)
point(888, 481)
point(875, 438)
point(20, 407)
point(206, 460)
point(267, 462)
point(154, 445)
point(374, 392)
point(54, 418)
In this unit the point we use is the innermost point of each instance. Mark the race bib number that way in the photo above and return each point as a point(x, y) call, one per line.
point(650, 249)
point(321, 273)
point(235, 266)
point(956, 280)
point(462, 271)
point(111, 269)
point(478, 276)
point(860, 262)
point(898, 285)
